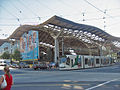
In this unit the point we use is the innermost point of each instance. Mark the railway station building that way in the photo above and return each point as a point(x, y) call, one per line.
point(57, 37)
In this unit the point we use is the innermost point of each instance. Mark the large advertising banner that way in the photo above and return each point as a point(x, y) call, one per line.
point(29, 45)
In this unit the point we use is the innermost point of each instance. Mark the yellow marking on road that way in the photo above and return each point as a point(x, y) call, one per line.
point(78, 87)
point(66, 85)
point(67, 81)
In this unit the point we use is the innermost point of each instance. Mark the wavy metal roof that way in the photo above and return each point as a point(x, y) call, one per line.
point(63, 23)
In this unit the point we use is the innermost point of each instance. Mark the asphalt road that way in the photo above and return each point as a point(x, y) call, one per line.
point(105, 78)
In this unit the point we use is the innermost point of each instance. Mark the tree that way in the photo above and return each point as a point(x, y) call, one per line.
point(5, 55)
point(17, 55)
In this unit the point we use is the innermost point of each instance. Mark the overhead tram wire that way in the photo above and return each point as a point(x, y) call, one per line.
point(9, 24)
point(83, 13)
point(2, 18)
point(100, 11)
point(113, 9)
point(65, 4)
point(68, 5)
point(92, 13)
point(104, 19)
point(47, 7)
point(114, 24)
point(30, 10)
point(20, 11)
point(91, 19)
point(10, 13)
point(97, 8)
point(79, 20)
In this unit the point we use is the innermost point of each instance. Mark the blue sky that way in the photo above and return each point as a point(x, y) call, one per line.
point(32, 12)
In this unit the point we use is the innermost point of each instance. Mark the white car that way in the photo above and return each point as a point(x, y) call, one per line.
point(62, 65)
point(2, 63)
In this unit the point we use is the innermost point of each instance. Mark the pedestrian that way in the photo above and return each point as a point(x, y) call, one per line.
point(8, 78)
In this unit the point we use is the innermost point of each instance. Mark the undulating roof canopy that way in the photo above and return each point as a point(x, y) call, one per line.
point(64, 23)
point(61, 23)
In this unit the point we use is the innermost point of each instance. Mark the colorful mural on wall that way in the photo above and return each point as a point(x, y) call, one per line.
point(29, 45)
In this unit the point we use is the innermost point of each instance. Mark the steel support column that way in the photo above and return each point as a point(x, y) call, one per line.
point(62, 46)
point(56, 50)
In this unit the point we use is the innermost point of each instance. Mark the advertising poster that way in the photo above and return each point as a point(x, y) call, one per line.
point(29, 45)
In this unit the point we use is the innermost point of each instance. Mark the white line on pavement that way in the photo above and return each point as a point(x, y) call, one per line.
point(102, 84)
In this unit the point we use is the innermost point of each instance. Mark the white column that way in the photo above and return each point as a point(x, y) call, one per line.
point(55, 51)
point(62, 46)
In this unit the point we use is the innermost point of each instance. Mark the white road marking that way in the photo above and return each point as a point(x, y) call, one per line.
point(102, 84)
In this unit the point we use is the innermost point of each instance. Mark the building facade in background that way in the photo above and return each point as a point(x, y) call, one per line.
point(5, 47)
point(9, 47)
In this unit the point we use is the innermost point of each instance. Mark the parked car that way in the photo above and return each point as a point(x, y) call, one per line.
point(40, 66)
point(36, 66)
point(14, 66)
point(43, 66)
point(23, 65)
point(8, 64)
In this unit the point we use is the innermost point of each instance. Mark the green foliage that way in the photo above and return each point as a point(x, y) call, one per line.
point(17, 55)
point(5, 55)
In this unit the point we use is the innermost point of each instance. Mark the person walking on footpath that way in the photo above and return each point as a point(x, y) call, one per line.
point(8, 77)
